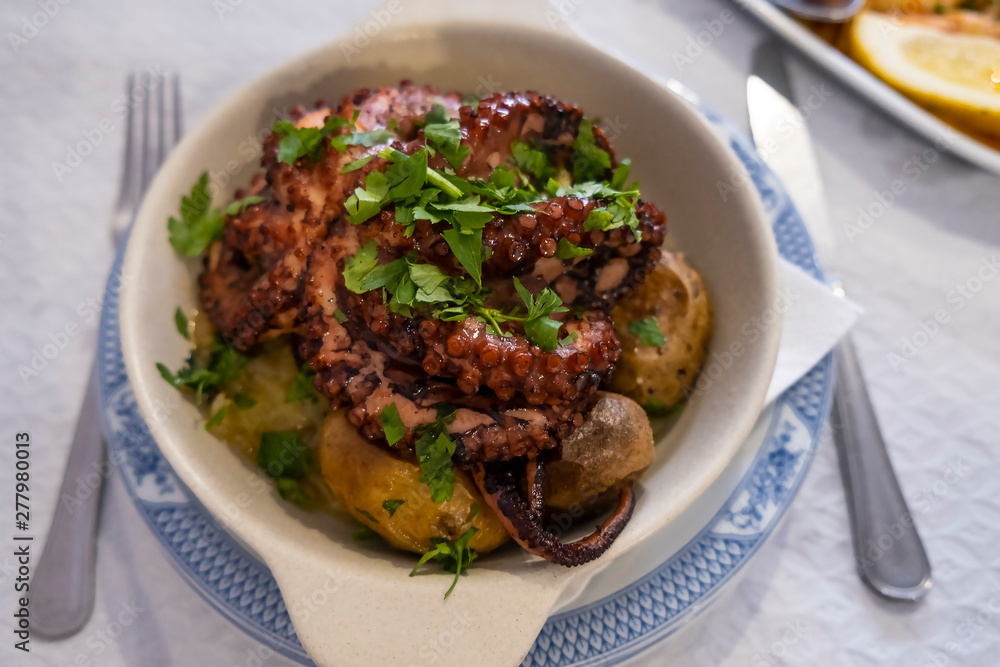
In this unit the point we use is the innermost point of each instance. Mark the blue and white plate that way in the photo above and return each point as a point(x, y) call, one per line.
point(624, 609)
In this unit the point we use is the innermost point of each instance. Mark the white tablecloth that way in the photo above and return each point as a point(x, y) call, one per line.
point(799, 603)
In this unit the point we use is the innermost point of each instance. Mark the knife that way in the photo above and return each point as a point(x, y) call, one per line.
point(889, 553)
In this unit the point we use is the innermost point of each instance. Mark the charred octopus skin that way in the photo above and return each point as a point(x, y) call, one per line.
point(434, 317)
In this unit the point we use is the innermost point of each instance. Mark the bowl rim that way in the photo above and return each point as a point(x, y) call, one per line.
point(271, 81)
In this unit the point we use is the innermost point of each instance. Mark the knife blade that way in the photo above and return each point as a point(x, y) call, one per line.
point(888, 551)
point(783, 141)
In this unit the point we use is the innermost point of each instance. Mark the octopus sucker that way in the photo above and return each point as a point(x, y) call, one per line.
point(517, 376)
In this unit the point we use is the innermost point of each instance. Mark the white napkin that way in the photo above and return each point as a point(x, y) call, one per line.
point(814, 320)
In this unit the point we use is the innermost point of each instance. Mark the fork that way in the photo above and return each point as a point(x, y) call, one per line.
point(63, 585)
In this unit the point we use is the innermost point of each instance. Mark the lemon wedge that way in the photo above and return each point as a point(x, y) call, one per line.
point(955, 75)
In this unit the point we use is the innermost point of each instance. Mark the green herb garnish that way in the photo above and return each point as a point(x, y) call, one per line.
point(446, 136)
point(181, 322)
point(391, 506)
point(434, 449)
point(366, 514)
point(199, 224)
point(363, 534)
point(539, 327)
point(224, 364)
point(304, 142)
point(647, 331)
point(566, 250)
point(451, 557)
point(392, 424)
point(217, 418)
point(244, 402)
point(303, 386)
point(283, 454)
point(290, 489)
point(590, 161)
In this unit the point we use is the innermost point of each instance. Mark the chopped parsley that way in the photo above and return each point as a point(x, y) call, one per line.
point(539, 327)
point(291, 490)
point(446, 136)
point(392, 424)
point(244, 402)
point(304, 142)
point(217, 418)
point(366, 514)
point(647, 331)
point(532, 161)
point(590, 161)
point(224, 364)
point(283, 454)
point(181, 322)
point(434, 449)
point(363, 534)
point(566, 250)
point(392, 505)
point(453, 557)
point(303, 386)
point(200, 224)
point(654, 407)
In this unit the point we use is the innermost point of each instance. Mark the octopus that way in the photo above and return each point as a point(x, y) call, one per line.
point(280, 269)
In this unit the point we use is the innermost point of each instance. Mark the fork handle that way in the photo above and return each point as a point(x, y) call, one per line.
point(63, 585)
point(890, 556)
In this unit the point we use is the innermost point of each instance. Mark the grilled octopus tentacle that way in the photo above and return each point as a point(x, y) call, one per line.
point(500, 487)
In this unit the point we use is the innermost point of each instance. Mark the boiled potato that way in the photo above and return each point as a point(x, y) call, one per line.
point(613, 446)
point(659, 376)
point(363, 476)
point(266, 379)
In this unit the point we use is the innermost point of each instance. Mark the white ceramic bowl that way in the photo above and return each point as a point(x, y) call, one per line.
point(354, 604)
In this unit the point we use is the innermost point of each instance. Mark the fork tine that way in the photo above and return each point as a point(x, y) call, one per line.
point(128, 180)
point(153, 126)
point(178, 110)
point(161, 124)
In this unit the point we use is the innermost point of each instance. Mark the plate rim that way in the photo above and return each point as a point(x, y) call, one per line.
point(109, 337)
point(873, 89)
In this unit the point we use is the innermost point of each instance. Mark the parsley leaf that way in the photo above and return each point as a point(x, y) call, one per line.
point(391, 506)
point(217, 418)
point(366, 514)
point(181, 322)
point(392, 424)
point(590, 161)
point(654, 407)
point(290, 489)
point(224, 364)
point(566, 250)
point(303, 386)
point(241, 205)
point(446, 136)
point(539, 327)
point(200, 225)
point(283, 454)
point(360, 265)
point(467, 247)
point(367, 201)
point(363, 534)
point(434, 450)
point(531, 160)
point(244, 402)
point(451, 557)
point(647, 331)
point(298, 142)
point(356, 164)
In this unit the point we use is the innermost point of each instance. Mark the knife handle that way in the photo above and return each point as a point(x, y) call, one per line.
point(890, 556)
